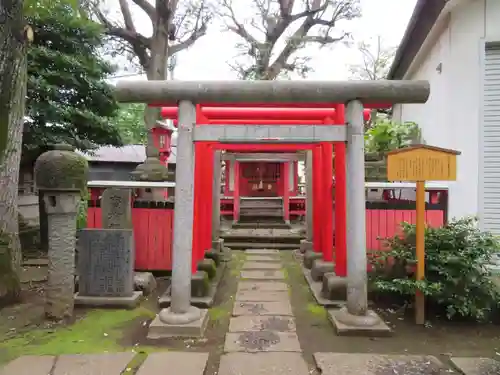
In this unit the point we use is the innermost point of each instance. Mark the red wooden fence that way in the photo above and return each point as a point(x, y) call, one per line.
point(383, 220)
point(153, 232)
point(153, 225)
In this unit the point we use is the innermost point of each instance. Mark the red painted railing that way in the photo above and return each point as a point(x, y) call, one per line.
point(153, 232)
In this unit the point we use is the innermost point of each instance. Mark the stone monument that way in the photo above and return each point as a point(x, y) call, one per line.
point(61, 176)
point(106, 256)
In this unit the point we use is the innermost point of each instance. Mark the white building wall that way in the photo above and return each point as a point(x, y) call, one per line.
point(450, 118)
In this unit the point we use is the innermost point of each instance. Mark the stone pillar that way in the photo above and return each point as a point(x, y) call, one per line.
point(180, 312)
point(357, 300)
point(355, 318)
point(61, 175)
point(286, 191)
point(309, 195)
point(216, 244)
point(236, 191)
point(116, 208)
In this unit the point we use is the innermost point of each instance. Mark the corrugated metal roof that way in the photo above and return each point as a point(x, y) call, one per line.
point(125, 154)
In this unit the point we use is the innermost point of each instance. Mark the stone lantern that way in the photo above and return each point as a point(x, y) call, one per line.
point(61, 176)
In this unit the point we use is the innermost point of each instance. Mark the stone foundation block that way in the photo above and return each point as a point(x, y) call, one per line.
point(145, 282)
point(215, 255)
point(310, 257)
point(319, 268)
point(200, 284)
point(218, 245)
point(209, 266)
point(128, 302)
point(369, 325)
point(159, 330)
point(305, 246)
point(334, 287)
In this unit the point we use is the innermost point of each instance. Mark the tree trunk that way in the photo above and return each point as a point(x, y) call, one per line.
point(157, 70)
point(13, 79)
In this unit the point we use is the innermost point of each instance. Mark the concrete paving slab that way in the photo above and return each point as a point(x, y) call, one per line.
point(262, 308)
point(160, 330)
point(29, 365)
point(263, 275)
point(92, 364)
point(261, 341)
point(476, 365)
point(262, 364)
point(374, 364)
point(183, 362)
point(378, 330)
point(262, 286)
point(270, 252)
point(261, 266)
point(261, 296)
point(263, 258)
point(247, 323)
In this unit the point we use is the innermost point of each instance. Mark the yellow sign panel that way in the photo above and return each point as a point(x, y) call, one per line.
point(422, 163)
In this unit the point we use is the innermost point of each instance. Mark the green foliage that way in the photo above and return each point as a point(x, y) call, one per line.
point(130, 123)
point(386, 135)
point(68, 100)
point(456, 277)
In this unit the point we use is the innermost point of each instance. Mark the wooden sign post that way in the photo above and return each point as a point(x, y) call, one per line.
point(421, 163)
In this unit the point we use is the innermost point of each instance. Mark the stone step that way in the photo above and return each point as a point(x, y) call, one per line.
point(253, 265)
point(263, 364)
point(237, 245)
point(267, 225)
point(274, 258)
point(262, 274)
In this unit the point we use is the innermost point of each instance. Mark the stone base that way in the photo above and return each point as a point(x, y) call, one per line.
point(159, 330)
point(305, 246)
point(319, 268)
point(370, 325)
point(334, 287)
point(315, 288)
point(117, 302)
point(218, 245)
point(202, 290)
point(310, 257)
point(208, 266)
point(214, 255)
point(143, 282)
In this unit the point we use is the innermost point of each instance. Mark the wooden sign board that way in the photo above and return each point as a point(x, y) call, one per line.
point(422, 163)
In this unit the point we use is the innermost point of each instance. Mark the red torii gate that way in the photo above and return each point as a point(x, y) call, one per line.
point(269, 114)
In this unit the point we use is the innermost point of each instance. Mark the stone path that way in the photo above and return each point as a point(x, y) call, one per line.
point(262, 338)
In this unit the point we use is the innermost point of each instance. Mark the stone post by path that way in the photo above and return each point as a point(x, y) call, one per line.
point(356, 318)
point(307, 244)
point(61, 174)
point(216, 240)
point(182, 319)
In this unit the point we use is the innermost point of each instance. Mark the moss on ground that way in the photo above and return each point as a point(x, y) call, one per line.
point(302, 298)
point(97, 332)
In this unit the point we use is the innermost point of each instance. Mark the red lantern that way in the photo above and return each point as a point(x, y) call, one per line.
point(162, 135)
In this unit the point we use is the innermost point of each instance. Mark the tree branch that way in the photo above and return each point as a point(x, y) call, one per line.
point(127, 16)
point(198, 30)
point(147, 7)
